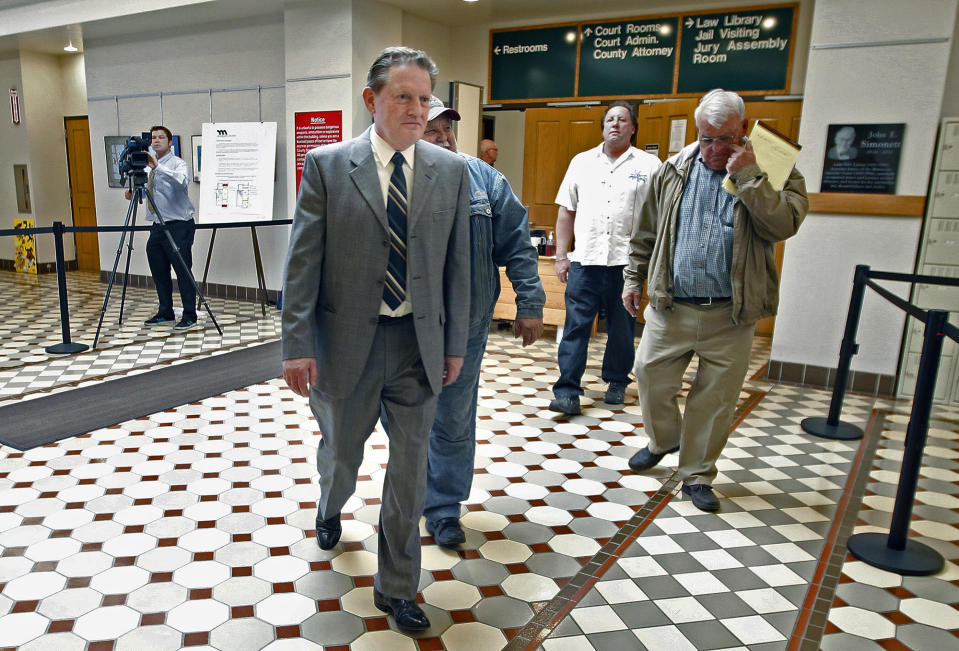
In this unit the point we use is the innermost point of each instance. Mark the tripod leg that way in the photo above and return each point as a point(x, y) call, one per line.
point(183, 265)
point(260, 282)
point(131, 215)
point(206, 267)
point(126, 273)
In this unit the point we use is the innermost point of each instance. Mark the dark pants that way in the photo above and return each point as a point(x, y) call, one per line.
point(162, 257)
point(588, 289)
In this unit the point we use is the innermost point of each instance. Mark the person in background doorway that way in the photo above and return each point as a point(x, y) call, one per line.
point(597, 202)
point(499, 237)
point(488, 152)
point(707, 258)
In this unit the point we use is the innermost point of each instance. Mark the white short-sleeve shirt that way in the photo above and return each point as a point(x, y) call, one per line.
point(604, 196)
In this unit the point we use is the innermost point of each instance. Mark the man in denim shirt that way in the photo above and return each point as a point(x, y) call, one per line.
point(499, 236)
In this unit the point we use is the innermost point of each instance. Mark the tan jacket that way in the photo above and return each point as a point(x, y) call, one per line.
point(761, 218)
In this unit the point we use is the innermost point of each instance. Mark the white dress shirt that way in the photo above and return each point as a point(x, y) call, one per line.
point(171, 179)
point(604, 196)
point(383, 153)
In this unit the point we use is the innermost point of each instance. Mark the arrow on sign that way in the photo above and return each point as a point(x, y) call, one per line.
point(587, 32)
point(496, 50)
point(689, 22)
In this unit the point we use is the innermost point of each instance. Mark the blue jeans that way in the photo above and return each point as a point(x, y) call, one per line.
point(449, 476)
point(588, 289)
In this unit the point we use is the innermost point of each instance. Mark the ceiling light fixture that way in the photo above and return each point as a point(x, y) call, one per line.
point(71, 47)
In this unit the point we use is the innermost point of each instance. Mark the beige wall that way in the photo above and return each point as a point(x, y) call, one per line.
point(950, 104)
point(73, 82)
point(888, 84)
point(43, 107)
point(15, 151)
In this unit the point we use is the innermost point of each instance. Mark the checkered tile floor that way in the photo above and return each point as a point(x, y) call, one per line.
point(193, 527)
point(30, 322)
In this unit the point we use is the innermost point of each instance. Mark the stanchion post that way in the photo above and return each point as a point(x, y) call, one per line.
point(895, 552)
point(66, 347)
point(831, 427)
point(918, 427)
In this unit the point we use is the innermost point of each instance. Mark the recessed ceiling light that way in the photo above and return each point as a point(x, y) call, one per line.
point(70, 48)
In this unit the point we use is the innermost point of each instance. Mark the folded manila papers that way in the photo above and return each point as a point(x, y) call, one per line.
point(775, 154)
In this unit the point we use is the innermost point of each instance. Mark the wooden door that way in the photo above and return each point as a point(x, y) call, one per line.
point(655, 124)
point(81, 191)
point(553, 137)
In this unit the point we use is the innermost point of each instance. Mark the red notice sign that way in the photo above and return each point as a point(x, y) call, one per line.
point(315, 128)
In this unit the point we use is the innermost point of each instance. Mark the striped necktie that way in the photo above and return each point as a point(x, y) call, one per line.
point(394, 292)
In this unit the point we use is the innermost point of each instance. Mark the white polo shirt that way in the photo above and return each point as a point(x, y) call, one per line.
point(604, 196)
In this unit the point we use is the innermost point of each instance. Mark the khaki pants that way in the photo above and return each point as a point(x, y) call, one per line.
point(670, 339)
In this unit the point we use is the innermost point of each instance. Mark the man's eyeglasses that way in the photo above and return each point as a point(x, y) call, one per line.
point(722, 140)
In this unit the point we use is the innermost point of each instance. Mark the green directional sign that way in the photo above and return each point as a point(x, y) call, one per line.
point(634, 57)
point(737, 50)
point(746, 50)
point(533, 63)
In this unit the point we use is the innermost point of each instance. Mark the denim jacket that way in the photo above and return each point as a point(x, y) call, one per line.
point(499, 237)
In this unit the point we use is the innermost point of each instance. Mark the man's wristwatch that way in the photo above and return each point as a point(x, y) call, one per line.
point(561, 259)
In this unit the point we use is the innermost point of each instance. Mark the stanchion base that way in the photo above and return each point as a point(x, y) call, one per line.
point(841, 431)
point(67, 348)
point(915, 560)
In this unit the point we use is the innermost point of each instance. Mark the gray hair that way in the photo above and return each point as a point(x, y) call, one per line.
point(379, 72)
point(718, 105)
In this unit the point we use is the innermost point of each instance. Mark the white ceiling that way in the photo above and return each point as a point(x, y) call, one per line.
point(448, 12)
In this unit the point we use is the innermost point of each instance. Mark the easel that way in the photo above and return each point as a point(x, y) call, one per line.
point(260, 280)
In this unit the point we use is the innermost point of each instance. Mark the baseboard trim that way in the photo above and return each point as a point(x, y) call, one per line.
point(822, 377)
point(211, 290)
point(42, 267)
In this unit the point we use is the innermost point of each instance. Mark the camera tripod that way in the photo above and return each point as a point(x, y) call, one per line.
point(138, 190)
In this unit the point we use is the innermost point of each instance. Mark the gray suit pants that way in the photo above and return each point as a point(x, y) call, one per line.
point(393, 377)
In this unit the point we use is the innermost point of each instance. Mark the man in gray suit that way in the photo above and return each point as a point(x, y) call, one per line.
point(376, 308)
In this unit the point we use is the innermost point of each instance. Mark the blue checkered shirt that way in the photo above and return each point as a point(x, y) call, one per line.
point(704, 239)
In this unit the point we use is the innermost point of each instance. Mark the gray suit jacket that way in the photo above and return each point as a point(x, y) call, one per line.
point(339, 247)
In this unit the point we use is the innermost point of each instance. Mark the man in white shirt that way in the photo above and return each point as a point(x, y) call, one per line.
point(168, 183)
point(600, 194)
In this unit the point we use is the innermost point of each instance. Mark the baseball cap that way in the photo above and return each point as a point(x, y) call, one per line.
point(437, 108)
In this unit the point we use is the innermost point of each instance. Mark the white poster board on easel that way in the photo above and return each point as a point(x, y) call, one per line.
point(236, 178)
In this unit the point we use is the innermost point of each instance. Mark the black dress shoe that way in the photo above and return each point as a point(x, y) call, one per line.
point(644, 459)
point(447, 532)
point(568, 405)
point(328, 532)
point(702, 496)
point(408, 615)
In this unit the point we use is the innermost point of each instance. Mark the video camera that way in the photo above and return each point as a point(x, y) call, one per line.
point(134, 157)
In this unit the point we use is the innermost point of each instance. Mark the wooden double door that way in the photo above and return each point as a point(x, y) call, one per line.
point(555, 135)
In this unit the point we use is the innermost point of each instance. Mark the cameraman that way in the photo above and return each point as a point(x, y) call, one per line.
point(168, 182)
